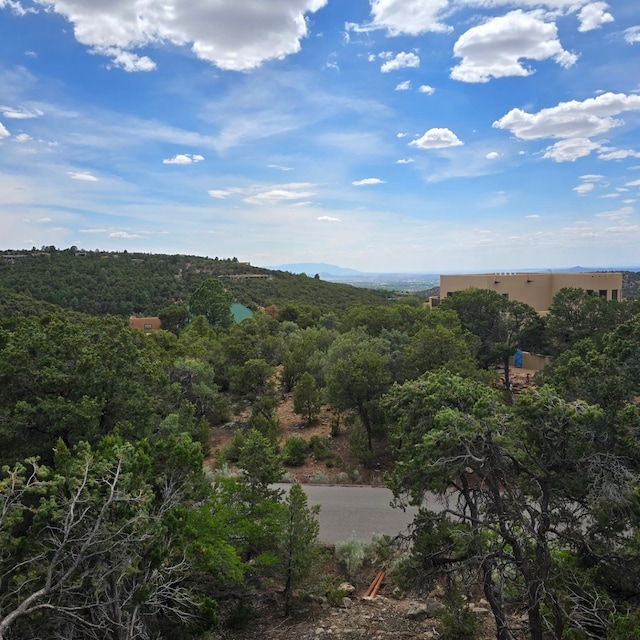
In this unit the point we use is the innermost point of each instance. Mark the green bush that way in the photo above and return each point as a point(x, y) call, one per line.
point(295, 451)
point(319, 447)
point(459, 622)
point(231, 452)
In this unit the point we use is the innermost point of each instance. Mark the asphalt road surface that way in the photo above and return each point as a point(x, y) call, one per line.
point(358, 511)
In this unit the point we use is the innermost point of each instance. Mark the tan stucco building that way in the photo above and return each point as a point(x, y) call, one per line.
point(535, 289)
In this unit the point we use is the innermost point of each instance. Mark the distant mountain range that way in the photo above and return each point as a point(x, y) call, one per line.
point(322, 268)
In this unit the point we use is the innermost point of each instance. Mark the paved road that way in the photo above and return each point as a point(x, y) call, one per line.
point(356, 510)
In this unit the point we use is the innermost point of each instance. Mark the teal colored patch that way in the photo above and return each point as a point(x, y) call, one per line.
point(240, 312)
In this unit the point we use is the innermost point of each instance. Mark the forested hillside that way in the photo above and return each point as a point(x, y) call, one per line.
point(100, 283)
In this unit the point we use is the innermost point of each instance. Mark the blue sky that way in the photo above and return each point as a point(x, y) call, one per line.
point(381, 135)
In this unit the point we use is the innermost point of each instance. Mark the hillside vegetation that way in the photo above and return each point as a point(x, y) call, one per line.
point(100, 283)
point(115, 522)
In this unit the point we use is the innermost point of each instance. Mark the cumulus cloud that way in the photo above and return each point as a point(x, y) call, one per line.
point(404, 161)
point(328, 219)
point(632, 35)
point(23, 137)
point(496, 48)
point(572, 119)
point(425, 88)
point(492, 155)
point(231, 35)
point(126, 60)
point(593, 16)
point(437, 139)
point(367, 181)
point(20, 113)
point(4, 133)
point(401, 134)
point(183, 158)
point(570, 150)
point(82, 175)
point(280, 167)
point(401, 61)
point(410, 17)
point(404, 86)
point(124, 235)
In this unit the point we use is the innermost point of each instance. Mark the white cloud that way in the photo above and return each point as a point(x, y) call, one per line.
point(495, 48)
point(591, 177)
point(533, 215)
point(4, 133)
point(410, 17)
point(231, 35)
point(221, 194)
point(632, 35)
point(401, 61)
point(23, 137)
point(82, 175)
point(584, 188)
point(124, 235)
point(618, 214)
point(283, 192)
point(570, 150)
point(590, 117)
point(425, 88)
point(402, 134)
point(16, 7)
point(45, 220)
point(126, 60)
point(280, 167)
point(437, 139)
point(609, 153)
point(404, 86)
point(492, 155)
point(634, 183)
point(367, 181)
point(20, 113)
point(404, 161)
point(593, 16)
point(328, 219)
point(183, 158)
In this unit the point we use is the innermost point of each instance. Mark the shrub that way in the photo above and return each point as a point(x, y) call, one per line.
point(319, 478)
point(351, 554)
point(231, 452)
point(319, 447)
point(295, 451)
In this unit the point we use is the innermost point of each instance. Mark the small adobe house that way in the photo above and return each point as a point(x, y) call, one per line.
point(145, 324)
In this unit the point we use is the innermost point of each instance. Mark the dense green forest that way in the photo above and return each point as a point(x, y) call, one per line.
point(100, 283)
point(111, 526)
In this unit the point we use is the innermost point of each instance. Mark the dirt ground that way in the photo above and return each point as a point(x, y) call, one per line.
point(343, 460)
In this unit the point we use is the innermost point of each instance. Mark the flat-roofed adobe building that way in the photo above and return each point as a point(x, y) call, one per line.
point(536, 289)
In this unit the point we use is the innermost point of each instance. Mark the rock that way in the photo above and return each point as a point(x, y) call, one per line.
point(346, 587)
point(429, 609)
point(347, 602)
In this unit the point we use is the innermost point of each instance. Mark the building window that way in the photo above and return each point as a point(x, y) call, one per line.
point(505, 295)
point(147, 326)
point(589, 291)
point(602, 293)
point(614, 294)
point(449, 294)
